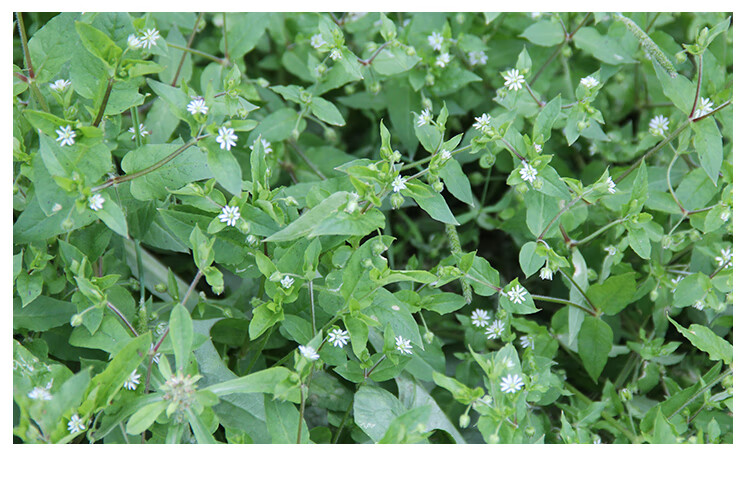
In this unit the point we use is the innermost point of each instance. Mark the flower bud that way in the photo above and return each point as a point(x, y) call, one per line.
point(243, 227)
point(694, 235)
point(396, 156)
point(429, 79)
point(493, 439)
point(76, 320)
point(626, 394)
point(437, 186)
point(160, 288)
point(428, 337)
point(67, 224)
point(378, 248)
point(486, 161)
point(410, 51)
point(397, 200)
point(530, 431)
point(464, 421)
point(680, 57)
point(374, 88)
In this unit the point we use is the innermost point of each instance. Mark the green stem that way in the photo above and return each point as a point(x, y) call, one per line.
point(575, 243)
point(136, 126)
point(565, 208)
point(137, 174)
point(714, 111)
point(222, 62)
point(429, 158)
point(580, 290)
point(615, 423)
point(32, 77)
point(701, 391)
point(226, 38)
point(122, 318)
point(669, 182)
point(312, 306)
point(307, 160)
point(698, 86)
point(139, 260)
point(184, 53)
point(654, 149)
point(562, 301)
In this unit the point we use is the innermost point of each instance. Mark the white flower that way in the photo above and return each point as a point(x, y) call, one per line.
point(133, 381)
point(266, 146)
point(308, 352)
point(134, 42)
point(589, 82)
point(335, 54)
point(477, 58)
point(149, 37)
point(317, 41)
point(535, 14)
point(287, 281)
point(698, 305)
point(141, 129)
point(229, 215)
point(435, 40)
point(725, 215)
point(610, 249)
point(482, 123)
point(251, 240)
point(677, 280)
point(76, 424)
point(658, 126)
point(226, 138)
point(538, 148)
point(399, 184)
point(527, 341)
point(495, 330)
point(197, 106)
point(59, 85)
point(65, 135)
point(511, 383)
point(545, 273)
point(161, 328)
point(96, 202)
point(597, 439)
point(528, 173)
point(443, 60)
point(403, 345)
point(445, 154)
point(424, 117)
point(40, 393)
point(57, 208)
point(611, 187)
point(725, 258)
point(157, 356)
point(517, 294)
point(338, 337)
point(480, 318)
point(705, 107)
point(513, 79)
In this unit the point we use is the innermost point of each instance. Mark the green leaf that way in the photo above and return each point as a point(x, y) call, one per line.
point(545, 33)
point(412, 392)
point(707, 341)
point(546, 119)
point(244, 31)
point(707, 141)
point(691, 289)
point(277, 126)
point(98, 43)
point(679, 89)
point(259, 382)
point(375, 409)
point(329, 218)
point(29, 287)
point(529, 260)
point(603, 47)
point(327, 111)
point(264, 318)
point(145, 416)
point(483, 271)
point(282, 419)
point(200, 431)
point(443, 303)
point(181, 335)
point(612, 296)
point(457, 182)
point(594, 345)
point(541, 209)
point(112, 215)
point(225, 168)
point(389, 310)
point(639, 242)
point(430, 201)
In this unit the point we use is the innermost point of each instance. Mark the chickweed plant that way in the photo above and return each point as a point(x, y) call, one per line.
point(372, 228)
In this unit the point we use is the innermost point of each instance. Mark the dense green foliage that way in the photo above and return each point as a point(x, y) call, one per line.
point(353, 228)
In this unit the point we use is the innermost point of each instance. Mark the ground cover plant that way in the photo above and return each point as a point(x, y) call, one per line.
point(372, 228)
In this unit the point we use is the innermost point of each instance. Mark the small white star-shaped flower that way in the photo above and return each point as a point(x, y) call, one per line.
point(398, 184)
point(76, 424)
point(308, 352)
point(527, 341)
point(149, 37)
point(589, 82)
point(677, 280)
point(134, 42)
point(251, 240)
point(226, 138)
point(287, 281)
point(317, 41)
point(157, 356)
point(705, 106)
point(610, 249)
point(338, 338)
point(477, 58)
point(517, 294)
point(538, 148)
point(725, 215)
point(513, 79)
point(336, 54)
point(197, 106)
point(480, 318)
point(528, 173)
point(266, 146)
point(40, 393)
point(424, 117)
point(545, 273)
point(435, 40)
point(611, 186)
point(511, 383)
point(229, 215)
point(658, 126)
point(698, 305)
point(96, 202)
point(59, 85)
point(495, 330)
point(482, 123)
point(443, 60)
point(445, 154)
point(66, 136)
point(141, 130)
point(133, 381)
point(403, 345)
point(725, 258)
